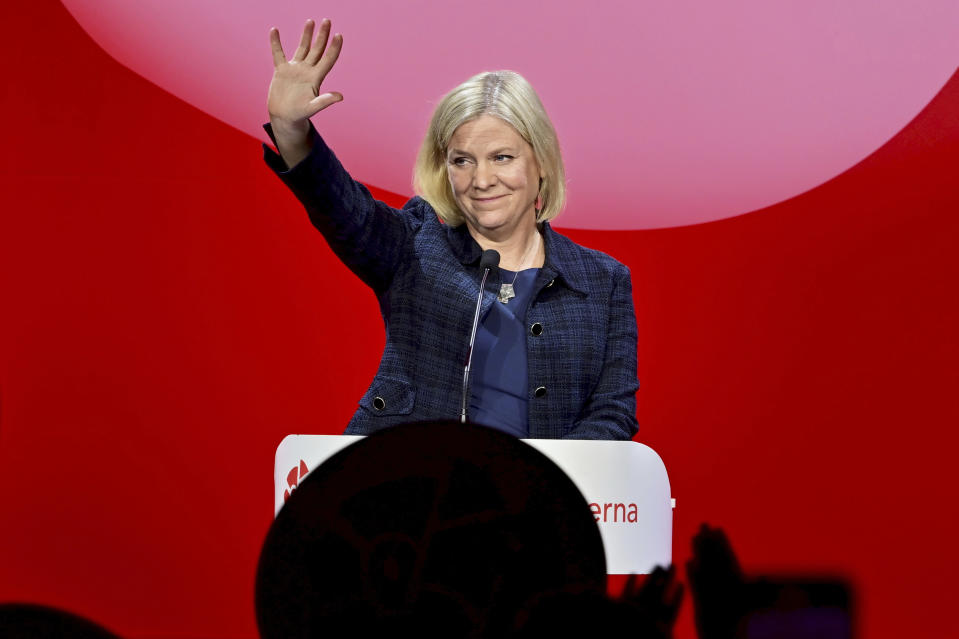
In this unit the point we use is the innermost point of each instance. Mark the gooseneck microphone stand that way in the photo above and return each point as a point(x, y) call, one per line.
point(488, 262)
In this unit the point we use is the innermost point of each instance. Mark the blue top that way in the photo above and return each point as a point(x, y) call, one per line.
point(499, 385)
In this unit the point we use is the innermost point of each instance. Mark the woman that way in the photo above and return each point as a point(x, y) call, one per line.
point(555, 352)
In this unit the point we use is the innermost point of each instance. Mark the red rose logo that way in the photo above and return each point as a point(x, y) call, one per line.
point(293, 478)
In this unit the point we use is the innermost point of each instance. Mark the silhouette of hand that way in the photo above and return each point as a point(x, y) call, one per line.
point(717, 585)
point(657, 600)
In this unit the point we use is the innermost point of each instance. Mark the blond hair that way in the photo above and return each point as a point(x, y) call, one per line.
point(508, 96)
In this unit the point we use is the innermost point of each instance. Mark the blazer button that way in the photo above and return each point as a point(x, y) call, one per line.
point(379, 403)
point(536, 329)
point(540, 392)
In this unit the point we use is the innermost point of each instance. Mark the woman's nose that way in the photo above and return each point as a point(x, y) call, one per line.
point(484, 176)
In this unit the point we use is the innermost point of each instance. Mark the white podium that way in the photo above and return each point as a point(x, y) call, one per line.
point(624, 483)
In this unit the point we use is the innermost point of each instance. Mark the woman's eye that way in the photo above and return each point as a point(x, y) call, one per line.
point(502, 157)
point(460, 161)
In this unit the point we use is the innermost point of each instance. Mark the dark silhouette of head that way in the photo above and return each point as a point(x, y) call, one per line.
point(440, 528)
point(33, 621)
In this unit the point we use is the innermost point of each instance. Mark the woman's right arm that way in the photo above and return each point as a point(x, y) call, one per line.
point(294, 95)
point(367, 235)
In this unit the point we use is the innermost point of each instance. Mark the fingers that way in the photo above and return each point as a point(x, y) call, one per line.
point(305, 39)
point(311, 52)
point(331, 55)
point(278, 56)
point(320, 45)
point(324, 100)
point(673, 602)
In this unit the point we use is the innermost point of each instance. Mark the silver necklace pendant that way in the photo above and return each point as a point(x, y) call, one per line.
point(506, 293)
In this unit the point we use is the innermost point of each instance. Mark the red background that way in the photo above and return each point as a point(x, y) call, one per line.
point(168, 315)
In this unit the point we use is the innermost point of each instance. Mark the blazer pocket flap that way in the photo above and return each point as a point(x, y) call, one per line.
point(389, 396)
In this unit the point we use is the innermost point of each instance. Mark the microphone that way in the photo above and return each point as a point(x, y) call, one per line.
point(488, 262)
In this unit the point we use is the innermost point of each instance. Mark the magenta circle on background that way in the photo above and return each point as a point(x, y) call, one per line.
point(668, 113)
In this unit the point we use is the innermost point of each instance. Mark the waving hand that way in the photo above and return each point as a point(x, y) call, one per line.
point(295, 93)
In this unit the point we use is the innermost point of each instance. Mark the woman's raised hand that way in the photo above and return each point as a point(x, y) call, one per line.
point(295, 89)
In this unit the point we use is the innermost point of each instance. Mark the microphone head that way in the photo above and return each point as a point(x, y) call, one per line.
point(490, 259)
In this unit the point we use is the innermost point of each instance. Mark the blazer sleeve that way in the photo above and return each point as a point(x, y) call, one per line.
point(610, 410)
point(370, 237)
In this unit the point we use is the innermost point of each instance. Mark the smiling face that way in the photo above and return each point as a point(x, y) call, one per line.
point(494, 176)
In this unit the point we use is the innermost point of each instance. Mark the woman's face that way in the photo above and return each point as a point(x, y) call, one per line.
point(494, 175)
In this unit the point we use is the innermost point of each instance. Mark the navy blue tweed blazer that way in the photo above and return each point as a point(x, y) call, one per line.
point(581, 346)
